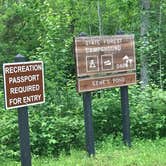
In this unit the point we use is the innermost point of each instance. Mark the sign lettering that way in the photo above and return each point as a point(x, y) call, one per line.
point(91, 84)
point(23, 84)
point(104, 54)
point(105, 61)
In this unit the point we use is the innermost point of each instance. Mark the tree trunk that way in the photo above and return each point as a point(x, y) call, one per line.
point(145, 6)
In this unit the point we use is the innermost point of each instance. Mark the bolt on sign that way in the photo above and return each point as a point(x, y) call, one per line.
point(100, 56)
point(23, 84)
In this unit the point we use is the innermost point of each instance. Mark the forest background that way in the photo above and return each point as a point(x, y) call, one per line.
point(44, 30)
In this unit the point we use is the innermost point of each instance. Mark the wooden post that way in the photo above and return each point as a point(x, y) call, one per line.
point(125, 115)
point(89, 133)
point(88, 123)
point(125, 110)
point(24, 128)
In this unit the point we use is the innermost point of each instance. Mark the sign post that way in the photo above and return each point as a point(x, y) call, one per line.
point(24, 136)
point(23, 86)
point(106, 62)
point(125, 111)
point(24, 128)
point(88, 123)
point(125, 115)
point(89, 133)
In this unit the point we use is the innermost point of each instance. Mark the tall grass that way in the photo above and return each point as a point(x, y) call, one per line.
point(109, 153)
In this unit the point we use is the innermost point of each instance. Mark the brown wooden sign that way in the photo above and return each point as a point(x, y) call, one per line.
point(105, 62)
point(91, 84)
point(104, 54)
point(23, 84)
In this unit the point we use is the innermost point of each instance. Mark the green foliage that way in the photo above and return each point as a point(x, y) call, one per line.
point(148, 112)
point(110, 152)
point(9, 142)
point(53, 127)
point(44, 30)
point(107, 113)
point(57, 127)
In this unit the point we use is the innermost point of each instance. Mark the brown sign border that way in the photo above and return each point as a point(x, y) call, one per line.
point(5, 87)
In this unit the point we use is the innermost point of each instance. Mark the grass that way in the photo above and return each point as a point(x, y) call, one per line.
point(109, 153)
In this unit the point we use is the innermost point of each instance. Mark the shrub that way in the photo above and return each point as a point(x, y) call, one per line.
point(148, 112)
point(58, 124)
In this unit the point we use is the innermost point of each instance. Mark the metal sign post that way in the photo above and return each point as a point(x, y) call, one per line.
point(24, 128)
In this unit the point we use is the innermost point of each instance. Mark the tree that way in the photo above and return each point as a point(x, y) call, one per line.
point(145, 6)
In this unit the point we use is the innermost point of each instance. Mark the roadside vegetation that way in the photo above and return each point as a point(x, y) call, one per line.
point(44, 30)
point(109, 153)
